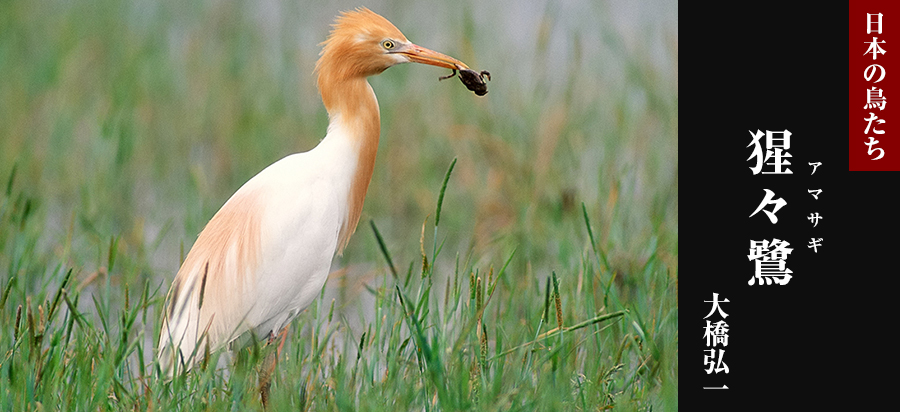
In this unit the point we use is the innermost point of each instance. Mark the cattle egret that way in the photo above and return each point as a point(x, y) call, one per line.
point(265, 255)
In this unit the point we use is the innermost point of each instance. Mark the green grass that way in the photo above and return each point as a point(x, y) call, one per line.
point(540, 274)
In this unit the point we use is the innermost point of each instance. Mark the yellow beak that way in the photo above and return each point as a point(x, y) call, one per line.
point(419, 54)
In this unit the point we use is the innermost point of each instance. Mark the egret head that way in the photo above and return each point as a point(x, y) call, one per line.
point(363, 44)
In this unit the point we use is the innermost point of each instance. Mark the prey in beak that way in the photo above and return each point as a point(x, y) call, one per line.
point(473, 80)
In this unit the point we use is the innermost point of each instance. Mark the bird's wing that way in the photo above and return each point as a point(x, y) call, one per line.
point(261, 259)
point(207, 295)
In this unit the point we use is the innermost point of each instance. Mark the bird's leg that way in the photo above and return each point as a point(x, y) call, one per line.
point(283, 334)
point(265, 376)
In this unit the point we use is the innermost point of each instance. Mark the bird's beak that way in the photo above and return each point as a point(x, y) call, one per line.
point(419, 54)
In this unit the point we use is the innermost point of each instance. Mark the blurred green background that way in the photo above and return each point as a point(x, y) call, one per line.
point(136, 120)
point(139, 119)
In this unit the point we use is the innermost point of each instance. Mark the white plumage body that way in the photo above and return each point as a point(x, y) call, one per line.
point(301, 231)
point(299, 204)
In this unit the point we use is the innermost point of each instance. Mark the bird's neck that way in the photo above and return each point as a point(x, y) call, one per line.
point(352, 107)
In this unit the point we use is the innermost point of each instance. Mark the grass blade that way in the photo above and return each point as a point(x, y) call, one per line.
point(437, 216)
point(598, 251)
point(556, 331)
point(384, 250)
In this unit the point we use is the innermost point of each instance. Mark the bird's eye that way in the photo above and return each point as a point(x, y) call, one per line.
point(387, 44)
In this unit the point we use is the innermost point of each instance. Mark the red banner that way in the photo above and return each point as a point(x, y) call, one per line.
point(874, 79)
